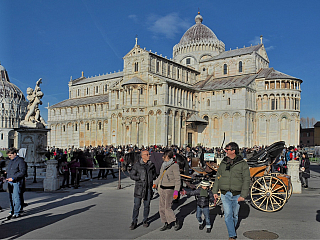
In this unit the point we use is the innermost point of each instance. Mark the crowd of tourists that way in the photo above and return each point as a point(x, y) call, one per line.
point(233, 171)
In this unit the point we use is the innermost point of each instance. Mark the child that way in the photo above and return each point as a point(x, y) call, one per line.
point(203, 195)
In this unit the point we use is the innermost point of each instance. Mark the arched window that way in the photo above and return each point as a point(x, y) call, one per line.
point(225, 68)
point(106, 88)
point(208, 102)
point(99, 125)
point(188, 61)
point(240, 66)
point(136, 67)
point(88, 126)
point(76, 127)
point(229, 101)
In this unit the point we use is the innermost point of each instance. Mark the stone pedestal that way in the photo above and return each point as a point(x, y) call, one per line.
point(293, 171)
point(51, 182)
point(34, 140)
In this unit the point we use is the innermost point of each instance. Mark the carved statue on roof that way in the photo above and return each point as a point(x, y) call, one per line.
point(33, 118)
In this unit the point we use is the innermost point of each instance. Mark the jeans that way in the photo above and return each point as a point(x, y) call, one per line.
point(146, 207)
point(231, 209)
point(14, 197)
point(205, 211)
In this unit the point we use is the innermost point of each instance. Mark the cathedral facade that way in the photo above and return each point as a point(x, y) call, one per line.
point(203, 95)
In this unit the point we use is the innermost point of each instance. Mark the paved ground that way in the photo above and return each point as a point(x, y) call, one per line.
point(98, 210)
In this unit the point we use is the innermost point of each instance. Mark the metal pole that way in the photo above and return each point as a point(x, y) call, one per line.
point(34, 174)
point(119, 181)
point(76, 184)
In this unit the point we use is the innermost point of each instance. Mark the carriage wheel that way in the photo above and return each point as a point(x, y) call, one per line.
point(289, 187)
point(268, 194)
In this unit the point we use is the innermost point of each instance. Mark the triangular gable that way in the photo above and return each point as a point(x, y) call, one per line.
point(135, 51)
point(263, 53)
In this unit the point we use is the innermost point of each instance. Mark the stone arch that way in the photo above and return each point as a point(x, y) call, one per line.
point(151, 112)
point(158, 112)
point(236, 115)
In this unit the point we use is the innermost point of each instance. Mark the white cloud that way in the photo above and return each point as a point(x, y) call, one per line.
point(270, 48)
point(256, 40)
point(168, 25)
point(133, 17)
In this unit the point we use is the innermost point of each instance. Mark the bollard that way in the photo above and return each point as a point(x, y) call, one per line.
point(293, 171)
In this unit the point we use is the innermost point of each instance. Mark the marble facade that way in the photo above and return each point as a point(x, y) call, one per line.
point(198, 96)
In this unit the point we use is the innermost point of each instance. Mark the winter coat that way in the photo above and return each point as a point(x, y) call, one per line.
point(306, 164)
point(16, 169)
point(143, 174)
point(171, 177)
point(201, 200)
point(235, 180)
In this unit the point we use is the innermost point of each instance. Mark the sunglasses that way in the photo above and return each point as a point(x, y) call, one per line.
point(227, 149)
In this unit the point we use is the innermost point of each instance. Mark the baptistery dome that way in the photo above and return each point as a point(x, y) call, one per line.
point(13, 108)
point(197, 42)
point(9, 91)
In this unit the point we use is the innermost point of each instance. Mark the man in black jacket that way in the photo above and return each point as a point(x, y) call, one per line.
point(143, 172)
point(16, 171)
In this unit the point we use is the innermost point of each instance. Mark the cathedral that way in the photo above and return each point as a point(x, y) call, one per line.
point(202, 95)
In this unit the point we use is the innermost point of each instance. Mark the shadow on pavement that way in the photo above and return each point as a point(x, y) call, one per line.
point(23, 226)
point(244, 212)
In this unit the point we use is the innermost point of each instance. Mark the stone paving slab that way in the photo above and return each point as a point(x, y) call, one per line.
point(98, 210)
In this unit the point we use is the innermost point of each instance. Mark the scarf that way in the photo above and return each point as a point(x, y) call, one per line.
point(203, 192)
point(167, 164)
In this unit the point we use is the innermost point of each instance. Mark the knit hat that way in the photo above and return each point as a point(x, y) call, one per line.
point(205, 183)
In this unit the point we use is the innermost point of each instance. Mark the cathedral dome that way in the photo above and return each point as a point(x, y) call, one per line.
point(197, 43)
point(198, 33)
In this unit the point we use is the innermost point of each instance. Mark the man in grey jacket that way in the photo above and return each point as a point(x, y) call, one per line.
point(16, 171)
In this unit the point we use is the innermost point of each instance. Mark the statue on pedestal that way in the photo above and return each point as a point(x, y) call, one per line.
point(33, 118)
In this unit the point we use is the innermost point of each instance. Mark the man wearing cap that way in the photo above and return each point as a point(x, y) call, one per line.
point(233, 179)
point(143, 173)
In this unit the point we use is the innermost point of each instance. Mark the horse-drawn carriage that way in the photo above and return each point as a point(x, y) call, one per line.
point(269, 191)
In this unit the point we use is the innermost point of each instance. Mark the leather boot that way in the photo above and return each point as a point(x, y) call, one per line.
point(166, 226)
point(177, 225)
point(133, 225)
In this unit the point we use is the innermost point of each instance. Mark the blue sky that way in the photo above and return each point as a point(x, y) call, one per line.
point(57, 39)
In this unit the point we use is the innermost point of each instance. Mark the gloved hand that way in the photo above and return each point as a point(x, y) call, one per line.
point(154, 186)
point(175, 194)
